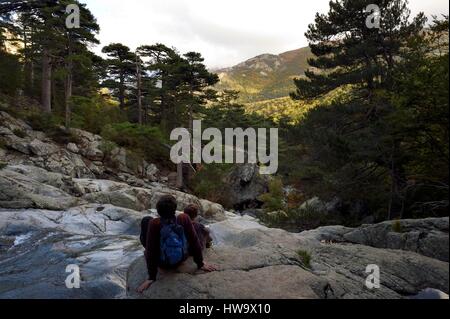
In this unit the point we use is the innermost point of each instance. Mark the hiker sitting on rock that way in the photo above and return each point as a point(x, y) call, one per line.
point(203, 233)
point(170, 240)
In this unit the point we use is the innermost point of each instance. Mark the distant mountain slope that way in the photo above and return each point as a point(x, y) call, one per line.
point(266, 76)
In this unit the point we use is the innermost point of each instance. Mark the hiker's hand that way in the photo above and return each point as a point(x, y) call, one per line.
point(144, 286)
point(208, 268)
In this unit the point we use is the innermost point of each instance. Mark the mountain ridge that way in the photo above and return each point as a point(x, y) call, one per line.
point(265, 76)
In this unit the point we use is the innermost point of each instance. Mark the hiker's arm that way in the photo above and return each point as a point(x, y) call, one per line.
point(152, 250)
point(192, 238)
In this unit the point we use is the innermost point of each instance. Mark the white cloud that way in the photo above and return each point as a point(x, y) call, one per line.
point(226, 32)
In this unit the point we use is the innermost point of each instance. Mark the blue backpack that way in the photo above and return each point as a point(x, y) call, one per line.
point(173, 243)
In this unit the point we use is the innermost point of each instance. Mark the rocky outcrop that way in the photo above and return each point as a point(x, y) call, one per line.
point(36, 246)
point(81, 158)
point(21, 190)
point(141, 198)
point(428, 237)
point(25, 186)
point(245, 185)
point(245, 251)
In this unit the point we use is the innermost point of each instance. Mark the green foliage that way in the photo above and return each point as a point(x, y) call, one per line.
point(94, 113)
point(385, 144)
point(274, 199)
point(397, 226)
point(41, 121)
point(209, 183)
point(10, 73)
point(305, 258)
point(366, 57)
point(120, 71)
point(51, 125)
point(3, 165)
point(19, 133)
point(63, 136)
point(107, 147)
point(145, 141)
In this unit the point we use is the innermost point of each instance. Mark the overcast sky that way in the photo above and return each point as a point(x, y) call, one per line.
point(225, 32)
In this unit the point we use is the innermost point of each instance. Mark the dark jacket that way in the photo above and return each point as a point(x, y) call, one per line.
point(203, 235)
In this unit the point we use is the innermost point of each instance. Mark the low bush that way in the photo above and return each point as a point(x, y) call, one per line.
point(145, 141)
point(274, 200)
point(209, 183)
point(19, 133)
point(107, 147)
point(397, 226)
point(93, 114)
point(41, 121)
point(305, 258)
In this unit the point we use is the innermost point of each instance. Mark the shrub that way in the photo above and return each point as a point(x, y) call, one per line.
point(274, 200)
point(93, 114)
point(10, 73)
point(208, 183)
point(397, 226)
point(278, 218)
point(19, 133)
point(305, 258)
point(107, 147)
point(63, 136)
point(145, 141)
point(40, 121)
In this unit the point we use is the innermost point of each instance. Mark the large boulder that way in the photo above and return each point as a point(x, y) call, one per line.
point(10, 124)
point(245, 185)
point(89, 145)
point(271, 282)
point(428, 237)
point(42, 176)
point(245, 251)
point(141, 198)
point(212, 210)
point(89, 219)
point(18, 190)
point(123, 161)
point(40, 148)
point(66, 163)
point(36, 247)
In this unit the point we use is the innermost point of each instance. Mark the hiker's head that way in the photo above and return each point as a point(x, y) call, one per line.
point(166, 206)
point(192, 211)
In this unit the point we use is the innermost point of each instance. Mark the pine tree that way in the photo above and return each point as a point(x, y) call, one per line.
point(121, 71)
point(349, 52)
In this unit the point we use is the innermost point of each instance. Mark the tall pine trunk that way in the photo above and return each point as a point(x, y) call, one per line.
point(68, 96)
point(68, 86)
point(122, 91)
point(46, 82)
point(139, 90)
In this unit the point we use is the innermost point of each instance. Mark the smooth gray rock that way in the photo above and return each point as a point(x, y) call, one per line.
point(428, 237)
point(245, 185)
point(141, 198)
point(21, 191)
point(430, 294)
point(36, 246)
point(40, 148)
point(337, 270)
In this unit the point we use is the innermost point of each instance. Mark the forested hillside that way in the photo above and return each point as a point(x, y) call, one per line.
point(363, 118)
